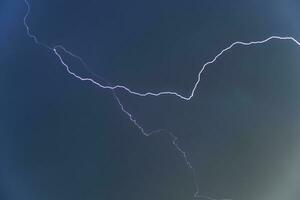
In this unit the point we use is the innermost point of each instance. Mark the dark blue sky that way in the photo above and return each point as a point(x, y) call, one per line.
point(63, 139)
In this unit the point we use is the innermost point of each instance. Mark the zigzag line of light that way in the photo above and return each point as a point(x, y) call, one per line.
point(141, 94)
point(174, 139)
point(131, 118)
point(187, 98)
point(152, 93)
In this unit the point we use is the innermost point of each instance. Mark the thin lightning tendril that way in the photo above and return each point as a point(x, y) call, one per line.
point(144, 94)
point(134, 121)
point(113, 88)
point(186, 98)
point(130, 116)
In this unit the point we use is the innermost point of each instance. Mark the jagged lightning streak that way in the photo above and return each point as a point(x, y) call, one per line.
point(144, 94)
point(187, 98)
point(174, 139)
point(145, 133)
point(107, 85)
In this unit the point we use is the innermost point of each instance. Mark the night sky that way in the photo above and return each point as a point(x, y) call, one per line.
point(64, 139)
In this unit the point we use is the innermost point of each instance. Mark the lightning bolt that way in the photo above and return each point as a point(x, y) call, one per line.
point(174, 139)
point(107, 85)
point(55, 49)
point(145, 94)
point(186, 98)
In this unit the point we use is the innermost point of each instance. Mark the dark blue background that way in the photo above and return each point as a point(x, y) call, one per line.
point(61, 138)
